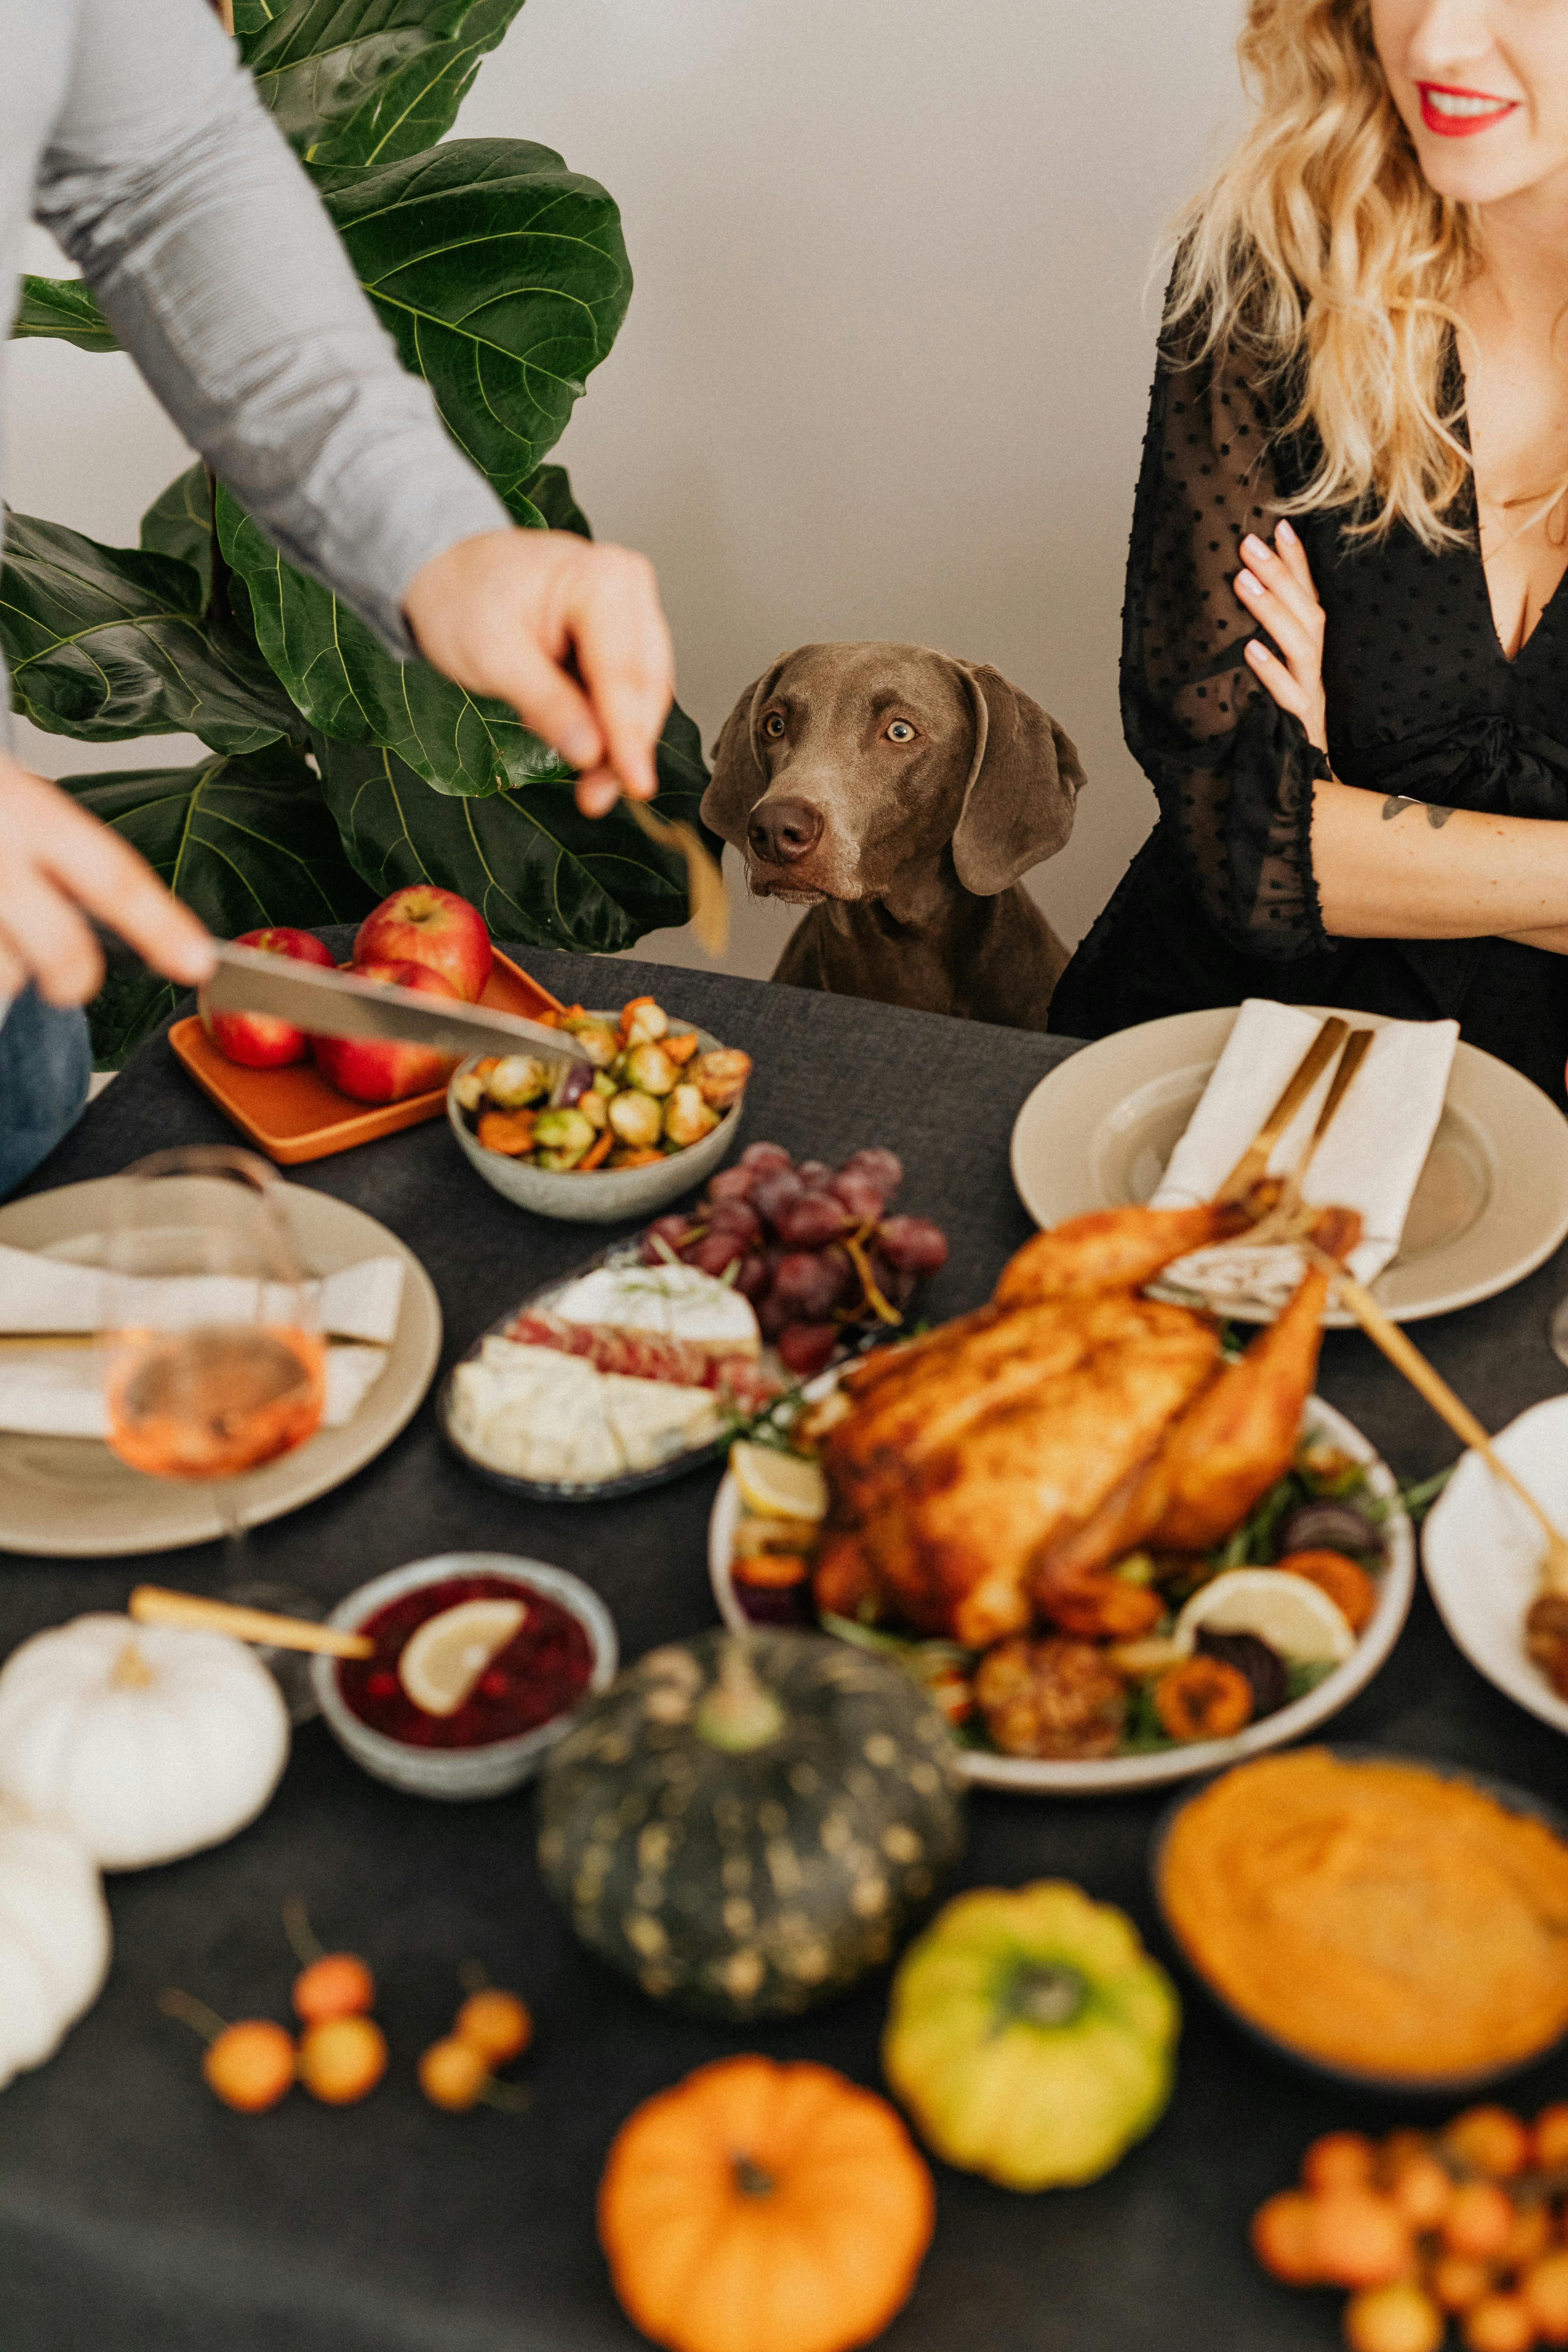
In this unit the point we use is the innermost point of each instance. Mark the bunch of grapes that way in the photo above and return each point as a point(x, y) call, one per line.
point(810, 1246)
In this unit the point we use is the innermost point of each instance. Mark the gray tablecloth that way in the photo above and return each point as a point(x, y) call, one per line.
point(136, 2215)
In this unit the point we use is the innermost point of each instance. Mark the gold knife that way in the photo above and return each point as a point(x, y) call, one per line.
point(1254, 1161)
point(340, 1004)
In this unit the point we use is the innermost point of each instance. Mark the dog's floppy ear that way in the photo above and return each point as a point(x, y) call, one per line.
point(1024, 783)
point(738, 777)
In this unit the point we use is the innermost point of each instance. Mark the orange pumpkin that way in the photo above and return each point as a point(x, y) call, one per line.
point(760, 2208)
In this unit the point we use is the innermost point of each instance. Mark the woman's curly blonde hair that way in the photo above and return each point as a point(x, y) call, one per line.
point(1319, 258)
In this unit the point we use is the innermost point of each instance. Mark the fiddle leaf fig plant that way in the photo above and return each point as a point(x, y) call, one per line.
point(338, 772)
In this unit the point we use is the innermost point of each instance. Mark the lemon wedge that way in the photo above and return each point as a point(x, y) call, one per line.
point(1294, 1618)
point(445, 1658)
point(777, 1485)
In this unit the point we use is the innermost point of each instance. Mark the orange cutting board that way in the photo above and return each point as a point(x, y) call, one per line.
point(293, 1115)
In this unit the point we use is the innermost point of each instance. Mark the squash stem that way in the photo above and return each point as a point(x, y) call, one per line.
point(737, 1714)
point(750, 2178)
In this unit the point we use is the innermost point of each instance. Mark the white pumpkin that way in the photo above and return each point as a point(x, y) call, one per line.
point(54, 1939)
point(149, 1740)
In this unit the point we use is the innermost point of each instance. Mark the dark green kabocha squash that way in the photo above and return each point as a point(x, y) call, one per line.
point(745, 1823)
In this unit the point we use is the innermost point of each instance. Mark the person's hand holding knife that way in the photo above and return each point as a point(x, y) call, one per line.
point(570, 632)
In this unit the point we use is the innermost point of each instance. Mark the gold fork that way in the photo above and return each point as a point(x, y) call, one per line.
point(1285, 1220)
point(1254, 1161)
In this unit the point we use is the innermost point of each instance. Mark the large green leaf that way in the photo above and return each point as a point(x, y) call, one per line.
point(64, 309)
point(503, 277)
point(350, 687)
point(105, 642)
point(537, 870)
point(245, 842)
point(365, 81)
point(179, 523)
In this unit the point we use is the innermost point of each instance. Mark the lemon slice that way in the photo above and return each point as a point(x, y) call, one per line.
point(444, 1658)
point(1295, 1618)
point(777, 1485)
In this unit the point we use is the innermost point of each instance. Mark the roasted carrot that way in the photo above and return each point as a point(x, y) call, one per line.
point(598, 1151)
point(680, 1047)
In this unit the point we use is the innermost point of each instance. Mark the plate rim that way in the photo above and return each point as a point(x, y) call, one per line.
point(420, 1308)
point(1116, 1775)
point(1413, 1310)
point(1541, 1701)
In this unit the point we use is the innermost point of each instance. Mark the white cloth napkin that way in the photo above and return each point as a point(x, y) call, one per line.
point(58, 1393)
point(1370, 1160)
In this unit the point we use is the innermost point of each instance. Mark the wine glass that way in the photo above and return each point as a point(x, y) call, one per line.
point(213, 1364)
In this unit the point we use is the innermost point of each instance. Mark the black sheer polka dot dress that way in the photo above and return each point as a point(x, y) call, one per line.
point(1220, 902)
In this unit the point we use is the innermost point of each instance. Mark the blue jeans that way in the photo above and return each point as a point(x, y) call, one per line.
point(46, 1062)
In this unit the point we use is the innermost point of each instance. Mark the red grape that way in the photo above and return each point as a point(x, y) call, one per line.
point(772, 1313)
point(814, 1174)
point(671, 1230)
point(810, 1283)
point(884, 1168)
point(772, 1188)
point(897, 1287)
point(814, 1219)
point(761, 1156)
point(754, 1276)
point(864, 1200)
point(735, 1217)
point(717, 1251)
point(732, 1184)
point(912, 1243)
point(805, 1348)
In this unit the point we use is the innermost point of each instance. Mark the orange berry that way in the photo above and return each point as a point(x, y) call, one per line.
point(1422, 2190)
point(1489, 2140)
point(1478, 2221)
point(1498, 2322)
point(496, 2024)
point(453, 2075)
point(1399, 2148)
point(1339, 2160)
point(1360, 2238)
point(1530, 2236)
point(342, 2059)
point(250, 2065)
point(337, 1984)
point(1544, 2288)
point(1398, 2318)
point(1551, 2137)
point(1282, 2237)
point(1458, 2280)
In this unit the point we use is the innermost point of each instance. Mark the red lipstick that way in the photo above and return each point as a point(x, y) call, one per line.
point(1460, 113)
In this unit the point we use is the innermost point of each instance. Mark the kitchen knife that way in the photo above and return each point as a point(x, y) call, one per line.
point(338, 1004)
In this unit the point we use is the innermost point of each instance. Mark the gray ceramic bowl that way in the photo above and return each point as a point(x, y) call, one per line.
point(605, 1195)
point(459, 1774)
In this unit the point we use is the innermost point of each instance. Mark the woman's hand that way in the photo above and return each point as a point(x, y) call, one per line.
point(59, 865)
point(570, 632)
point(1276, 590)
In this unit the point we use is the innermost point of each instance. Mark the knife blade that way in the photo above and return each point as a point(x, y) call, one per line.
point(340, 1004)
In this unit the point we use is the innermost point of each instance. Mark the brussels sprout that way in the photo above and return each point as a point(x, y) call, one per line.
point(467, 1090)
point(635, 1118)
point(518, 1079)
point(595, 1110)
point(604, 1084)
point(594, 1042)
point(687, 1118)
point(561, 1138)
point(720, 1075)
point(649, 1069)
point(643, 1020)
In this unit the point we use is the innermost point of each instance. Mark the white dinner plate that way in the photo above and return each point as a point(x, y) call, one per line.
point(71, 1496)
point(1109, 1775)
point(1482, 1554)
point(1491, 1204)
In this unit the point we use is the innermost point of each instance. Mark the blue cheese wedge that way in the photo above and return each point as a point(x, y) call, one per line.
point(536, 1413)
point(677, 1302)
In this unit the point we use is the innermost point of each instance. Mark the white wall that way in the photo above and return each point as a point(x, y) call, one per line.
point(885, 370)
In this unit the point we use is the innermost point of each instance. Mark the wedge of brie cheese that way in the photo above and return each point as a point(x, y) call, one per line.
point(535, 1413)
point(677, 1302)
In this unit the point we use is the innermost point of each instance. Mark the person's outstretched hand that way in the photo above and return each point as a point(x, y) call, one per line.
point(570, 632)
point(57, 866)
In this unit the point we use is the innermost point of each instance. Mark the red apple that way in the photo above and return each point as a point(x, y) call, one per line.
point(376, 1072)
point(423, 924)
point(259, 1041)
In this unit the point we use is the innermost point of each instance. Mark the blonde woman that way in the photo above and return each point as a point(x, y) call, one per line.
point(1345, 651)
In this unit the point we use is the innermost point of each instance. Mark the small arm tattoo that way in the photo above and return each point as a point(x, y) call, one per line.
point(1396, 803)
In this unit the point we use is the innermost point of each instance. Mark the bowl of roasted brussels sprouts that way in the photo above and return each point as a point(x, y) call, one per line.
point(652, 1110)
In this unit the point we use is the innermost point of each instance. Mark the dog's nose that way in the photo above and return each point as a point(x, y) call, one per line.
point(782, 831)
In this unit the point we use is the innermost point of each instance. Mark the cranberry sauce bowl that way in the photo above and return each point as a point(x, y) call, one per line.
point(564, 1652)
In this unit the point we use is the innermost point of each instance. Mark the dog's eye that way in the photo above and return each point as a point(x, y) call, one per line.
point(773, 726)
point(900, 732)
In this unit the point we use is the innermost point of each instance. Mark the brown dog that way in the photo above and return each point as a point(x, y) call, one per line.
point(899, 794)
